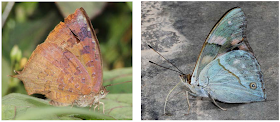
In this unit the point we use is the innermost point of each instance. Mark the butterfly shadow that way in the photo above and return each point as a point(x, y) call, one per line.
point(227, 106)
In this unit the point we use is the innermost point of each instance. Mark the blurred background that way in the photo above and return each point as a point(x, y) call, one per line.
point(27, 24)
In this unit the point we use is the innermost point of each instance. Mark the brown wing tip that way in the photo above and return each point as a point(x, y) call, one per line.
point(81, 9)
point(76, 13)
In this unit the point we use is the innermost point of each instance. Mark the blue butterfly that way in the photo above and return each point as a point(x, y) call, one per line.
point(226, 69)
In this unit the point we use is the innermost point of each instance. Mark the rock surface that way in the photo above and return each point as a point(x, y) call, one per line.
point(178, 30)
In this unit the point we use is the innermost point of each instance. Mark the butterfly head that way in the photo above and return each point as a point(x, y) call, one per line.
point(186, 78)
point(103, 92)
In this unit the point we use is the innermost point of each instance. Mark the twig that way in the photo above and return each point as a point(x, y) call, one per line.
point(7, 12)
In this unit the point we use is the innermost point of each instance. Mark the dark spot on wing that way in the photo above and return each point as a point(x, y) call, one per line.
point(90, 64)
point(85, 50)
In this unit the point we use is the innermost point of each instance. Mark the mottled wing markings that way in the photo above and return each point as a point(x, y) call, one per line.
point(40, 76)
point(85, 50)
point(79, 69)
point(74, 45)
point(73, 67)
point(227, 35)
point(88, 49)
point(68, 64)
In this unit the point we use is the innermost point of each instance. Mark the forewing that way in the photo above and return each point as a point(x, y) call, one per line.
point(229, 78)
point(76, 35)
point(227, 35)
point(89, 54)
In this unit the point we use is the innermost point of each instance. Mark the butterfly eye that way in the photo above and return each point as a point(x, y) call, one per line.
point(101, 92)
point(253, 85)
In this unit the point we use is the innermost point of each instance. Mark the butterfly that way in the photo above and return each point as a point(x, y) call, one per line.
point(226, 69)
point(67, 67)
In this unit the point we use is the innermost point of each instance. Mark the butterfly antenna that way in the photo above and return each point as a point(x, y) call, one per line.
point(116, 83)
point(165, 59)
point(165, 67)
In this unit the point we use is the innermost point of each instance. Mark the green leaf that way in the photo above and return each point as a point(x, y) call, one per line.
point(8, 112)
point(24, 107)
point(29, 7)
point(118, 76)
point(114, 32)
point(6, 70)
point(118, 106)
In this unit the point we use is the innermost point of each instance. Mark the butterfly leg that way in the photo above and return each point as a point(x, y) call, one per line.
point(98, 106)
point(90, 106)
point(189, 106)
point(213, 100)
point(103, 107)
point(95, 107)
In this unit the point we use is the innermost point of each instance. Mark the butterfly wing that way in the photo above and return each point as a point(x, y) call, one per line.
point(227, 35)
point(53, 72)
point(76, 35)
point(68, 64)
point(89, 51)
point(234, 77)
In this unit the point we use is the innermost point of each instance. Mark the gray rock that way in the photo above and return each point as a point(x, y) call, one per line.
point(178, 30)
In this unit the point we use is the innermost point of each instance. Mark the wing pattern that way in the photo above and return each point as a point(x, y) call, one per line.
point(227, 35)
point(68, 64)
